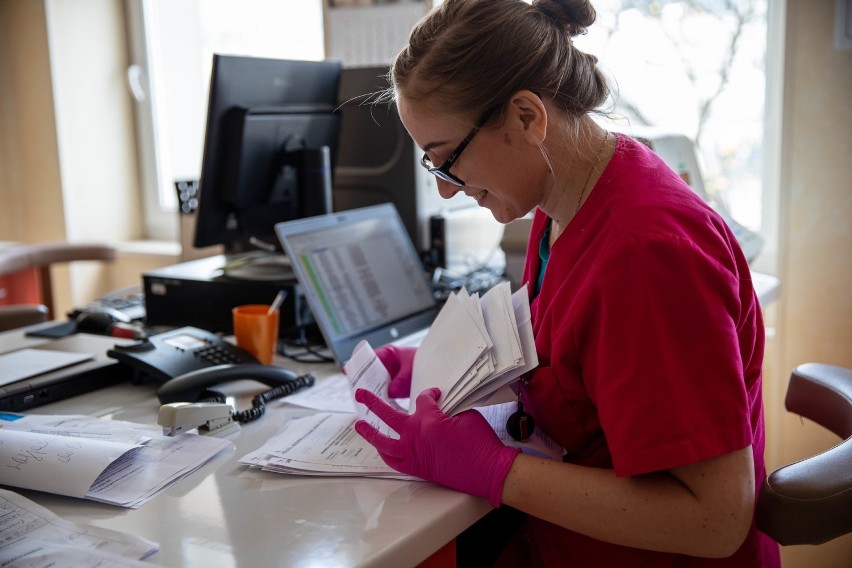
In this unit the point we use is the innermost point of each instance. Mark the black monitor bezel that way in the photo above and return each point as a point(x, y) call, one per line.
point(240, 84)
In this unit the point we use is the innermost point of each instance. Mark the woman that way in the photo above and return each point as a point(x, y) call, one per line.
point(647, 328)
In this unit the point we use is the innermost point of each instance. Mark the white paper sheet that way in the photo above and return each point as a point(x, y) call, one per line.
point(37, 537)
point(454, 344)
point(56, 464)
point(330, 394)
point(75, 456)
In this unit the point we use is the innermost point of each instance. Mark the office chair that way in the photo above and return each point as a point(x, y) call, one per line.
point(25, 270)
point(22, 315)
point(810, 501)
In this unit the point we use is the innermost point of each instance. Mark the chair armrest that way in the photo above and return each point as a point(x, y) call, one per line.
point(12, 317)
point(810, 501)
point(40, 257)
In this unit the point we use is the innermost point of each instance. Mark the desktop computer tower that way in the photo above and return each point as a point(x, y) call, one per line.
point(378, 162)
point(198, 294)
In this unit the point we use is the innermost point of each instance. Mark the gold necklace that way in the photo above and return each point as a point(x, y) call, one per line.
point(591, 171)
point(599, 157)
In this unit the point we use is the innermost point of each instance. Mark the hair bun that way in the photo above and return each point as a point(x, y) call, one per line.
point(574, 15)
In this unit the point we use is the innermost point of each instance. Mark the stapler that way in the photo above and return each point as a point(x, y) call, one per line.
point(214, 418)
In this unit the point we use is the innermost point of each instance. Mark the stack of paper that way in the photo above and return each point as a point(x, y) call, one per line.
point(325, 443)
point(34, 536)
point(475, 347)
point(473, 350)
point(111, 461)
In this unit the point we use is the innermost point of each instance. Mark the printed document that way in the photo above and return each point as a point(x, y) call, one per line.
point(473, 351)
point(33, 536)
point(111, 461)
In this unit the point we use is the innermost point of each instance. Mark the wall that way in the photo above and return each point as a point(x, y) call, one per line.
point(30, 182)
point(64, 87)
point(815, 309)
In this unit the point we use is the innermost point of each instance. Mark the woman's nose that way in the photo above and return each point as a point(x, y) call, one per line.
point(446, 189)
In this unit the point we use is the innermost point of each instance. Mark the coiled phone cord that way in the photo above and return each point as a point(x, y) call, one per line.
point(258, 403)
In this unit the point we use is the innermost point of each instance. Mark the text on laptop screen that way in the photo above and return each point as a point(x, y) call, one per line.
point(361, 275)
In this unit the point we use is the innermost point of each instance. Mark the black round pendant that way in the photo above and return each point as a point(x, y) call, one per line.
point(520, 425)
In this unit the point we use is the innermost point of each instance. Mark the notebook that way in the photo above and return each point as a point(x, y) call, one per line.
point(362, 278)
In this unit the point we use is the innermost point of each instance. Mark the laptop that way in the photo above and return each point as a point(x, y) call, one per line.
point(362, 278)
point(35, 372)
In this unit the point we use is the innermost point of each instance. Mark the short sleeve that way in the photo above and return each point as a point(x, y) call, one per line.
point(661, 359)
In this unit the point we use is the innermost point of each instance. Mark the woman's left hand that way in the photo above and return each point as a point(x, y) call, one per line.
point(461, 452)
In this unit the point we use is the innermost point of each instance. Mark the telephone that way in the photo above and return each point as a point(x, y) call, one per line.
point(188, 360)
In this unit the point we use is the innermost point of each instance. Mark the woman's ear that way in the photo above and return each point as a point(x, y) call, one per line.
point(527, 112)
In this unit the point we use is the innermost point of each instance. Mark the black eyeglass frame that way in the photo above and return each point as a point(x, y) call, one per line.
point(443, 171)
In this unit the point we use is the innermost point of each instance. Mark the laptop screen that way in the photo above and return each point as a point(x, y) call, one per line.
point(361, 275)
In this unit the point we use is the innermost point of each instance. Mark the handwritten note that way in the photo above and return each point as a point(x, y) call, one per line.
point(38, 461)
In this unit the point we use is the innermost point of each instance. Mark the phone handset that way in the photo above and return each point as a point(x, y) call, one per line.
point(194, 386)
point(189, 387)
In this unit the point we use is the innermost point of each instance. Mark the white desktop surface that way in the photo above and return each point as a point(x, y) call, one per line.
point(226, 515)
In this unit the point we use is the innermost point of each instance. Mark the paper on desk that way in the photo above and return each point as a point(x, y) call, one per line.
point(26, 363)
point(321, 444)
point(326, 444)
point(77, 426)
point(56, 464)
point(41, 554)
point(132, 478)
point(36, 536)
point(329, 394)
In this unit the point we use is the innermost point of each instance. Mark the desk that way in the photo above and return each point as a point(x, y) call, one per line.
point(226, 515)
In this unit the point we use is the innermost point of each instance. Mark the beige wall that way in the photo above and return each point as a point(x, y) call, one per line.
point(30, 183)
point(814, 312)
point(63, 66)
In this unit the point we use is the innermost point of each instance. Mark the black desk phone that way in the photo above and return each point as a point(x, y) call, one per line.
point(188, 360)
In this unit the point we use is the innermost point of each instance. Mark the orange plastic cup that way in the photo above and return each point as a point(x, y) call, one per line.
point(256, 331)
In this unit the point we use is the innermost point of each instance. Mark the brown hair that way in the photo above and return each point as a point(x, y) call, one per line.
point(470, 55)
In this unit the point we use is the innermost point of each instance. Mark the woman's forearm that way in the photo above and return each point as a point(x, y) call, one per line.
point(703, 509)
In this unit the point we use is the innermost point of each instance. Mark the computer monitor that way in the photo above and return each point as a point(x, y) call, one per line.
point(269, 149)
point(379, 163)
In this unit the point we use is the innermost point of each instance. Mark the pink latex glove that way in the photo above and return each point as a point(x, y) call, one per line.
point(399, 361)
point(461, 452)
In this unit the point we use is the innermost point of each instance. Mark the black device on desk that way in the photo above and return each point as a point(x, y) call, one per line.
point(188, 360)
point(125, 305)
point(172, 293)
point(95, 373)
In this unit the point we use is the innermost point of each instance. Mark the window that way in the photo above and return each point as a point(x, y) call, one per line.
point(173, 44)
point(696, 67)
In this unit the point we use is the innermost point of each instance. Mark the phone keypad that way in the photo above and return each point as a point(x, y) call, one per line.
point(216, 355)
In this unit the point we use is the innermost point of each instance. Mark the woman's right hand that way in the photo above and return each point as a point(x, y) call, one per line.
point(399, 361)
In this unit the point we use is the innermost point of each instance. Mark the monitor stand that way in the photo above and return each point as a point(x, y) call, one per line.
point(258, 266)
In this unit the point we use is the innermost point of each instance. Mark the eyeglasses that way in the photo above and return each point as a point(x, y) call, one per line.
point(443, 171)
